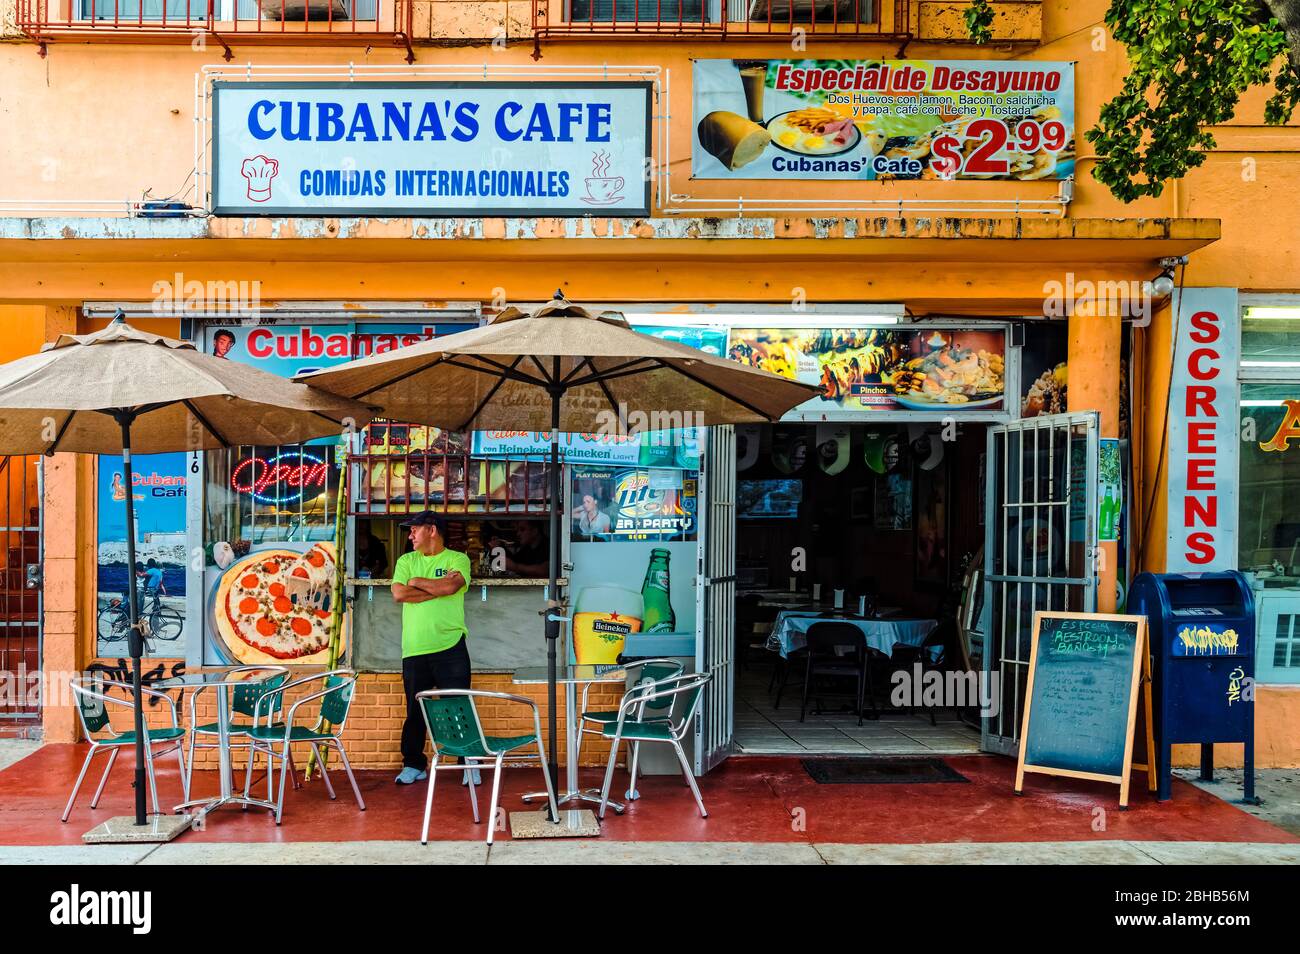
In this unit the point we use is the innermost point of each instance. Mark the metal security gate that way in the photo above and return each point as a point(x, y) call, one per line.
point(716, 599)
point(1040, 549)
point(20, 597)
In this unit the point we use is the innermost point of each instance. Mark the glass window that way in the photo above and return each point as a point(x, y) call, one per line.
point(1269, 527)
point(646, 11)
point(1270, 337)
point(1269, 524)
point(278, 494)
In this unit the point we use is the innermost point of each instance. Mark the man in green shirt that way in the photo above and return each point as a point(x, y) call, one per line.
point(430, 583)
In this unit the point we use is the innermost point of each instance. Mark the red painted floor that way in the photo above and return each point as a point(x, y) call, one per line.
point(750, 798)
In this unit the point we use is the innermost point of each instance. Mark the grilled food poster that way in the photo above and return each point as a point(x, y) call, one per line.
point(883, 119)
point(866, 369)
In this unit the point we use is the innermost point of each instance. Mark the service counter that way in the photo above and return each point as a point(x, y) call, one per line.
point(502, 614)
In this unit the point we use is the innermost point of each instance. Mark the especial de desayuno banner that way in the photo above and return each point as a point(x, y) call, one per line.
point(883, 119)
point(424, 148)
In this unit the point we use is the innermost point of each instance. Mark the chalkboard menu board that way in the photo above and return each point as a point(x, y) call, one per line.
point(1082, 696)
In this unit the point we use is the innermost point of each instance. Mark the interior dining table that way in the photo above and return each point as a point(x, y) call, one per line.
point(790, 630)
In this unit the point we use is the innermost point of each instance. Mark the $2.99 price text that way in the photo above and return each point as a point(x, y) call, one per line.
point(989, 157)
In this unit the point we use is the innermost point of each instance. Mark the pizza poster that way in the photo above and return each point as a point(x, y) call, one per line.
point(866, 370)
point(157, 485)
point(1009, 120)
point(272, 605)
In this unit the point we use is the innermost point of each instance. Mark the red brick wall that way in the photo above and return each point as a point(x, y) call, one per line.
point(374, 725)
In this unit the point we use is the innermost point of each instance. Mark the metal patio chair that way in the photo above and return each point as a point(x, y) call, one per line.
point(335, 701)
point(644, 671)
point(92, 695)
point(690, 687)
point(451, 717)
point(243, 702)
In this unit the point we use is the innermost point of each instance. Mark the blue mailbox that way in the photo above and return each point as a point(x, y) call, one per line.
point(1202, 628)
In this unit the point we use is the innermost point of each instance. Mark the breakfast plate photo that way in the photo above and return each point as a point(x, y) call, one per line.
point(813, 131)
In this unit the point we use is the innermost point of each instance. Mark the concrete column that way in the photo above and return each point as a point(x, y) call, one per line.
point(1094, 383)
point(68, 569)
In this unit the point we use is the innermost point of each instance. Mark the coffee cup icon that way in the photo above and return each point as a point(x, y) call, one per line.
point(603, 189)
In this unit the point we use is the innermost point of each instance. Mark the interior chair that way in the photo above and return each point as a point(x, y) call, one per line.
point(642, 671)
point(451, 717)
point(837, 650)
point(785, 667)
point(932, 653)
point(323, 733)
point(94, 695)
point(750, 645)
point(689, 688)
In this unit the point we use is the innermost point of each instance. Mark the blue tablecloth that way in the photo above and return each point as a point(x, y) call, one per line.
point(789, 632)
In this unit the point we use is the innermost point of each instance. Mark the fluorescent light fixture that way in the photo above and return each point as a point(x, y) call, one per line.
point(1283, 312)
point(765, 320)
point(1270, 364)
point(1261, 403)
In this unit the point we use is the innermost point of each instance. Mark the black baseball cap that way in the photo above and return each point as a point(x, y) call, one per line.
point(427, 519)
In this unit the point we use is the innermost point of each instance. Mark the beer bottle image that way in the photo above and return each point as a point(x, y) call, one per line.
point(658, 615)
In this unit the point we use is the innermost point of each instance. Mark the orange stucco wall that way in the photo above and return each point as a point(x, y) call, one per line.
point(97, 121)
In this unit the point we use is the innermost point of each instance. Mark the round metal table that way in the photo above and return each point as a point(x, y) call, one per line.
point(222, 681)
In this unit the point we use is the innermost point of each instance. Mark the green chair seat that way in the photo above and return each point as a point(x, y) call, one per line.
point(235, 728)
point(155, 735)
point(640, 731)
point(299, 733)
point(508, 743)
point(611, 715)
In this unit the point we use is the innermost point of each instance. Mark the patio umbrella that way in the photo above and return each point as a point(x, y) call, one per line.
point(121, 390)
point(560, 368)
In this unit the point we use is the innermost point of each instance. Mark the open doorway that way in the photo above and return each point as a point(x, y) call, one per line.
point(851, 534)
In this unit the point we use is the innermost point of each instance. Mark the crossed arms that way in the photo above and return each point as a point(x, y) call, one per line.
point(421, 588)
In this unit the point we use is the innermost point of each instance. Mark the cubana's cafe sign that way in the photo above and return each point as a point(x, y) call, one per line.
point(883, 119)
point(431, 148)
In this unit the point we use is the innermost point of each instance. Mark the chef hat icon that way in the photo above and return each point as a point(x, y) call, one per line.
point(259, 171)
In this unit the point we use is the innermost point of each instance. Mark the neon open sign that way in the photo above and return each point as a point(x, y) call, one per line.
point(285, 478)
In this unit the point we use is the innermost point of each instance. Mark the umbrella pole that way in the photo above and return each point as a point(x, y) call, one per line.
point(553, 608)
point(135, 640)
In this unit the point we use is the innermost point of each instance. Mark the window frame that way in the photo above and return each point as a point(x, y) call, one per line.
point(1265, 672)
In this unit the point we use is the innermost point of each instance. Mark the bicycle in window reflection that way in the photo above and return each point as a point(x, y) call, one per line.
point(165, 623)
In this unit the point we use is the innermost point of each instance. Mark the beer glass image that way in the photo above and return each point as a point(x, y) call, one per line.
point(603, 617)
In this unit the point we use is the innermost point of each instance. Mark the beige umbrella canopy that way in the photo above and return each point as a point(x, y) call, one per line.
point(64, 398)
point(501, 375)
point(561, 368)
point(122, 390)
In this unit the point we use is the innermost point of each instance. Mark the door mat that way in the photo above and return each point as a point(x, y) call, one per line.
point(880, 771)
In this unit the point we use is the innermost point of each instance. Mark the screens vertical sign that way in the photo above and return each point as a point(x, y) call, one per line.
point(1203, 432)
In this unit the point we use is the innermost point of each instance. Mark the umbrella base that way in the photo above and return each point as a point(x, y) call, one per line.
point(579, 823)
point(122, 829)
point(591, 795)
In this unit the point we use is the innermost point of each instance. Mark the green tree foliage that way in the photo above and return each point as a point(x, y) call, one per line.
point(1190, 61)
point(979, 19)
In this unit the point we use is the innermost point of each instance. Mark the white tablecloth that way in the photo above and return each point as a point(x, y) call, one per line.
point(789, 632)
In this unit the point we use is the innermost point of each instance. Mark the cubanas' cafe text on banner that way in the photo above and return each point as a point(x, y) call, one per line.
point(883, 119)
point(431, 148)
